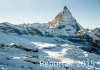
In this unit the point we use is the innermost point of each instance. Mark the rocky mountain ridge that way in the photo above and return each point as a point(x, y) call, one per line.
point(64, 24)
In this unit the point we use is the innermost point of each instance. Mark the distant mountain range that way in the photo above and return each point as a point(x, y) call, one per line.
point(64, 24)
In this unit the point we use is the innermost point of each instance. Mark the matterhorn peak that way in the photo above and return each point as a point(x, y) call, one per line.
point(65, 23)
point(64, 17)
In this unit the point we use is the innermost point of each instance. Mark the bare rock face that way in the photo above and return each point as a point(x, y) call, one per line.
point(56, 21)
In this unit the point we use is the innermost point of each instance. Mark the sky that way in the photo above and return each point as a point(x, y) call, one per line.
point(86, 12)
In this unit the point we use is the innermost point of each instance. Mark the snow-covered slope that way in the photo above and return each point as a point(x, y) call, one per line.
point(67, 56)
point(11, 39)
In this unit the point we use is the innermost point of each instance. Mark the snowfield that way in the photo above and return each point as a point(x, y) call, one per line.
point(66, 54)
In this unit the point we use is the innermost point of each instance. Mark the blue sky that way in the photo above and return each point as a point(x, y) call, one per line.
point(86, 12)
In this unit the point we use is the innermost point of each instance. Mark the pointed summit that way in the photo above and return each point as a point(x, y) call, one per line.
point(65, 7)
point(64, 16)
point(65, 23)
point(66, 11)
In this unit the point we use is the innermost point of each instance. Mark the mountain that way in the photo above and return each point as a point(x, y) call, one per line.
point(64, 19)
point(63, 40)
point(65, 24)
